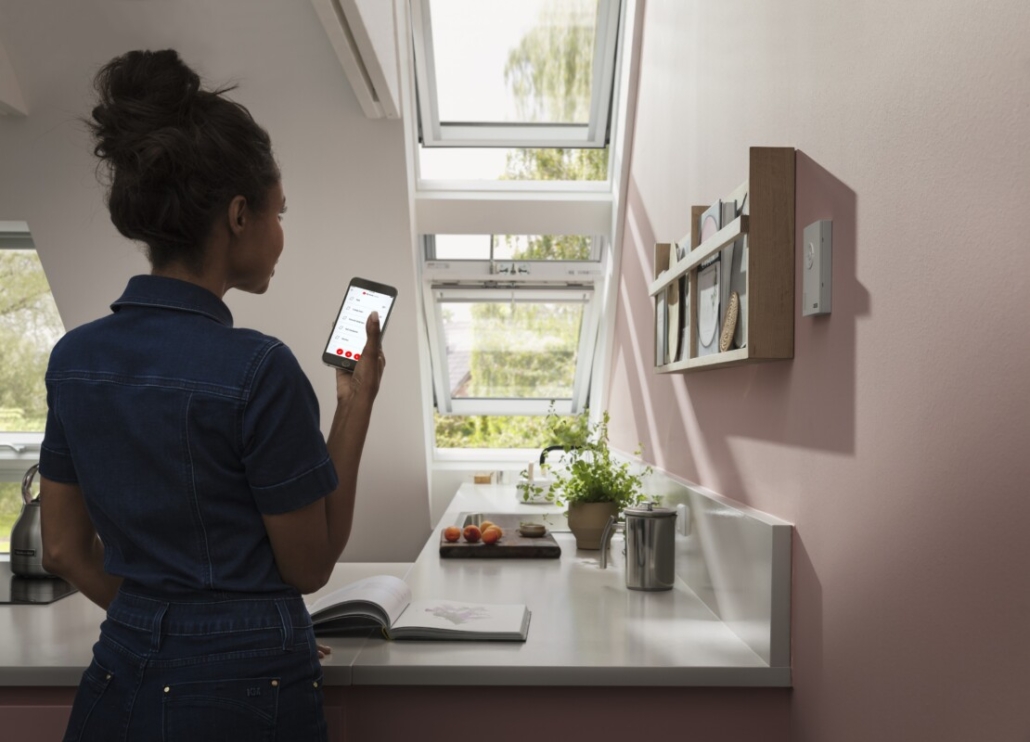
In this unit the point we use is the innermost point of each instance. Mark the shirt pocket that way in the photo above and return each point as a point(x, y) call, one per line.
point(220, 710)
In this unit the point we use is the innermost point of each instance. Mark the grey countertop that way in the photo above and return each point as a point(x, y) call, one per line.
point(587, 628)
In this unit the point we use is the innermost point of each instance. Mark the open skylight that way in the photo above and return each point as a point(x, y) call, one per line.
point(533, 73)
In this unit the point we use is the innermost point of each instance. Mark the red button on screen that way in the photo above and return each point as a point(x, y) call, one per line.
point(339, 351)
point(348, 354)
point(357, 356)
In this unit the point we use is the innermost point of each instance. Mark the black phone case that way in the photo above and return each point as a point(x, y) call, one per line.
point(348, 364)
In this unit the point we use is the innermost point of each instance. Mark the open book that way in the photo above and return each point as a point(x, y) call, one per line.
point(385, 602)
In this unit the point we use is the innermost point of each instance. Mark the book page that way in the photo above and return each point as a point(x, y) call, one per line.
point(390, 594)
point(437, 617)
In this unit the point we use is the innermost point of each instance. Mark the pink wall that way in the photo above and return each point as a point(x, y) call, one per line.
point(895, 438)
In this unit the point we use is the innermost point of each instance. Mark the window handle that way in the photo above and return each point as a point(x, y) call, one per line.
point(13, 446)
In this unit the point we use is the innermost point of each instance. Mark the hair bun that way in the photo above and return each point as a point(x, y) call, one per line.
point(175, 155)
point(140, 92)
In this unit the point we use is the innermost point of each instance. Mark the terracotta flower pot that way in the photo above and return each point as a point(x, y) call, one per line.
point(587, 521)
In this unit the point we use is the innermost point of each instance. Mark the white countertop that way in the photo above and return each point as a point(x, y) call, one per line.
point(587, 628)
point(51, 645)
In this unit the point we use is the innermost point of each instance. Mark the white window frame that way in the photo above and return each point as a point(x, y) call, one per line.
point(514, 280)
point(594, 134)
point(18, 449)
point(523, 207)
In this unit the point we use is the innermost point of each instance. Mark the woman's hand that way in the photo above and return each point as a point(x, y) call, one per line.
point(368, 372)
point(323, 651)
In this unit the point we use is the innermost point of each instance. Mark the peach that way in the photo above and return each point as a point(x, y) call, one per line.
point(484, 525)
point(472, 534)
point(491, 535)
point(452, 533)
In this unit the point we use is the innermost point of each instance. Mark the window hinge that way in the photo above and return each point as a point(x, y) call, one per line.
point(510, 268)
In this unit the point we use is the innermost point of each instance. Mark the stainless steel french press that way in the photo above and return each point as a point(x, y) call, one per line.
point(650, 547)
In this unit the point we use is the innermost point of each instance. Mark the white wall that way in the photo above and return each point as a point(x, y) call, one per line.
point(344, 176)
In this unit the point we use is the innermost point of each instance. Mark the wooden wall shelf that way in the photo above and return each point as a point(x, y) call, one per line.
point(762, 235)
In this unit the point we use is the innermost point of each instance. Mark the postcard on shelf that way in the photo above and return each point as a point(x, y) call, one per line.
point(385, 602)
point(710, 222)
point(729, 259)
point(684, 288)
point(709, 289)
point(661, 337)
point(738, 278)
point(682, 248)
point(674, 305)
point(708, 307)
point(685, 329)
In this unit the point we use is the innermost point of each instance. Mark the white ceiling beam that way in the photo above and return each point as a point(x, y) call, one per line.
point(438, 212)
point(11, 101)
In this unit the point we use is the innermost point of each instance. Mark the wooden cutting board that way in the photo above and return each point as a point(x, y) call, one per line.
point(511, 545)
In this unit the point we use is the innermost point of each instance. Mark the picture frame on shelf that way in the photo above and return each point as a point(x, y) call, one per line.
point(728, 258)
point(709, 286)
point(674, 307)
point(708, 292)
point(661, 335)
point(738, 275)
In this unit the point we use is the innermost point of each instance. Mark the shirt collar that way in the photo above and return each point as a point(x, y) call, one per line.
point(171, 293)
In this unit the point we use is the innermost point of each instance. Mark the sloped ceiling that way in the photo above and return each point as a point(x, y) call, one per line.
point(344, 175)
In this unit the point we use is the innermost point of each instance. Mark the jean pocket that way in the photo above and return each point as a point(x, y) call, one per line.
point(221, 710)
point(95, 681)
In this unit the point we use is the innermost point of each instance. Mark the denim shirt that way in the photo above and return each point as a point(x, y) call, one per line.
point(181, 432)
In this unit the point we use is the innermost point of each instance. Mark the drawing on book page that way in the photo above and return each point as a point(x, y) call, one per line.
point(459, 614)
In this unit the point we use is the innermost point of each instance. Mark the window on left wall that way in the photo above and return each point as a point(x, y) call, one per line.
point(29, 327)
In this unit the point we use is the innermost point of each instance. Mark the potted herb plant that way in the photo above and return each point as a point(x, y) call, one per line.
point(590, 481)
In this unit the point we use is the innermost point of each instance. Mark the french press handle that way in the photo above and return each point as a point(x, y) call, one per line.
point(606, 536)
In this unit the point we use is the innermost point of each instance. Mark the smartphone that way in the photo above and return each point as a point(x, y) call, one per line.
point(347, 340)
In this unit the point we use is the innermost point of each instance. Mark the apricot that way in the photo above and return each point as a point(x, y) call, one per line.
point(452, 533)
point(472, 534)
point(484, 525)
point(491, 535)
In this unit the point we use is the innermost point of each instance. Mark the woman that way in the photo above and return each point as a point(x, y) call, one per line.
point(186, 486)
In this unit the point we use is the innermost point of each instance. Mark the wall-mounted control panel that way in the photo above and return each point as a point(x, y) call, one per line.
point(816, 270)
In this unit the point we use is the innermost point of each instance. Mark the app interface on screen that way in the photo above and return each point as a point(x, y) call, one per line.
point(348, 338)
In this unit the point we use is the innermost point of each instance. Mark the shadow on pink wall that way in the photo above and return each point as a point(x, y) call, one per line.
point(685, 420)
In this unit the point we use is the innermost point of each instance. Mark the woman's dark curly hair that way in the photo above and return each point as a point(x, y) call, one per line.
point(175, 154)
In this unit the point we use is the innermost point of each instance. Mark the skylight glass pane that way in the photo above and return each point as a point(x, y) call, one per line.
point(462, 247)
point(512, 247)
point(513, 164)
point(511, 349)
point(542, 247)
point(529, 61)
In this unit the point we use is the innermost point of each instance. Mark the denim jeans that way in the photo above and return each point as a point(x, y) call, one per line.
point(215, 666)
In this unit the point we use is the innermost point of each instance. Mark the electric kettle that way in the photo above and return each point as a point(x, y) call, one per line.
point(27, 536)
point(650, 547)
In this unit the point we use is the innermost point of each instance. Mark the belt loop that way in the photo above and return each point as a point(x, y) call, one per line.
point(284, 614)
point(155, 633)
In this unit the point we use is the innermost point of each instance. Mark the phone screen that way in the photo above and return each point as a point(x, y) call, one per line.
point(348, 337)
